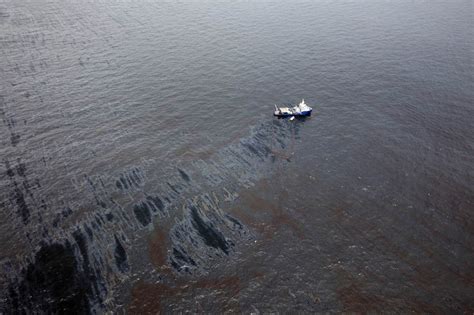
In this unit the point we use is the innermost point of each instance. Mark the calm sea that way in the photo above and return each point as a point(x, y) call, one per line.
point(141, 169)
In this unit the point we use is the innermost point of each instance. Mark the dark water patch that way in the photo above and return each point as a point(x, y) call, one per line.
point(120, 256)
point(142, 213)
point(94, 225)
point(156, 202)
point(180, 259)
point(21, 168)
point(97, 189)
point(175, 188)
point(14, 138)
point(81, 242)
point(210, 235)
point(66, 212)
point(121, 184)
point(101, 203)
point(91, 225)
point(22, 207)
point(53, 283)
point(236, 223)
point(9, 171)
point(251, 148)
point(89, 232)
point(151, 206)
point(132, 179)
point(4, 15)
point(184, 175)
point(109, 216)
point(99, 220)
point(206, 233)
point(10, 123)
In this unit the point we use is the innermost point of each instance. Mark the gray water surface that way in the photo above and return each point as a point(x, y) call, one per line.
point(141, 169)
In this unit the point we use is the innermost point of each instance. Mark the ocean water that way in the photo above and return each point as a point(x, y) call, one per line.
point(142, 170)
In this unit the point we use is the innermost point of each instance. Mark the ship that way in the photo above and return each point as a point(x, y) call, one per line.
point(299, 110)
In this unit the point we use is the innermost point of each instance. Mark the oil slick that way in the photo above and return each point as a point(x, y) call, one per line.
point(91, 241)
